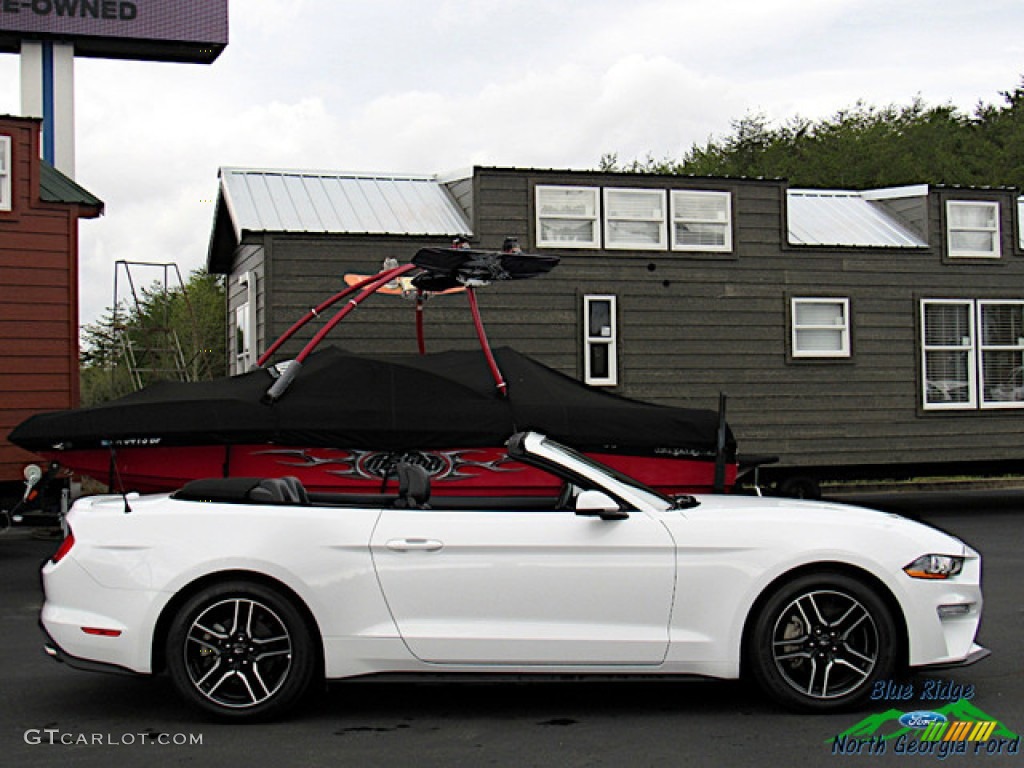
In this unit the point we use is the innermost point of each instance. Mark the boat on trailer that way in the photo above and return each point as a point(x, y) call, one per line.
point(341, 422)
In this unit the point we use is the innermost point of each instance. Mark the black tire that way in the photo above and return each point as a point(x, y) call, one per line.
point(241, 651)
point(821, 641)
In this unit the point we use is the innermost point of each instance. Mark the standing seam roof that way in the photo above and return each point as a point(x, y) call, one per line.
point(840, 218)
point(314, 201)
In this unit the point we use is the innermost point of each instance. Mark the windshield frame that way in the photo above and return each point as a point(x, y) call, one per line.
point(567, 456)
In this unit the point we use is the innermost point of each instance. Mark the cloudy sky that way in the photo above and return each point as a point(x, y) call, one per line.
point(431, 86)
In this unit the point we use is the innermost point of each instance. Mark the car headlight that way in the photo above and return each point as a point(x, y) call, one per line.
point(934, 567)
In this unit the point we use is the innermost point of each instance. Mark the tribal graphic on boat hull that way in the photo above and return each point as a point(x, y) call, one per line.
point(378, 465)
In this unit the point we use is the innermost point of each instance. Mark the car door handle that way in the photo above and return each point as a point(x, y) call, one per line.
point(414, 545)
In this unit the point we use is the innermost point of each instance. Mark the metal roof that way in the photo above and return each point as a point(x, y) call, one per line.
point(55, 187)
point(336, 202)
point(844, 218)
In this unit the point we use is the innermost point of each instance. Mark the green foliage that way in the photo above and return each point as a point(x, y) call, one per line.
point(177, 333)
point(864, 147)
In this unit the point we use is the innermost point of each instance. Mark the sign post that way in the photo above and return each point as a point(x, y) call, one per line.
point(49, 34)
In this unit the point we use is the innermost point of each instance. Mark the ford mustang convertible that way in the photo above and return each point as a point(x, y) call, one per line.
point(248, 591)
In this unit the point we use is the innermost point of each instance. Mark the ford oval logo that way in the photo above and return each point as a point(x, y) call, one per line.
point(921, 719)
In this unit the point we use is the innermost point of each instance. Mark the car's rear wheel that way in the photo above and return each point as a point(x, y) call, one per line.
point(241, 651)
point(821, 641)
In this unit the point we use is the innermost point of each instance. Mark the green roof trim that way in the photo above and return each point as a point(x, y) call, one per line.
point(55, 187)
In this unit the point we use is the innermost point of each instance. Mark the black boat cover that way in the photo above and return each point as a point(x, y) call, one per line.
point(402, 402)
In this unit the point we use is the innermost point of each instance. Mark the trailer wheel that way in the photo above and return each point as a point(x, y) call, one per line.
point(800, 488)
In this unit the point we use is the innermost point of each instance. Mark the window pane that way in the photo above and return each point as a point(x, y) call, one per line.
point(242, 330)
point(1002, 324)
point(819, 340)
point(599, 368)
point(5, 174)
point(700, 207)
point(947, 377)
point(1003, 376)
point(978, 242)
point(947, 325)
point(635, 205)
point(600, 321)
point(700, 234)
point(819, 313)
point(567, 230)
point(980, 216)
point(568, 202)
point(638, 232)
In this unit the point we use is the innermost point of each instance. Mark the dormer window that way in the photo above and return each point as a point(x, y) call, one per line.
point(568, 217)
point(634, 219)
point(972, 229)
point(701, 221)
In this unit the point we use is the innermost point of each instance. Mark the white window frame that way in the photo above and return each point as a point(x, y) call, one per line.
point(988, 347)
point(603, 337)
point(594, 219)
point(6, 202)
point(657, 216)
point(726, 246)
point(1020, 222)
point(976, 348)
point(968, 345)
point(798, 329)
point(245, 323)
point(994, 231)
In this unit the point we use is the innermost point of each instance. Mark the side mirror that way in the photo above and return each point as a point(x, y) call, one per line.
point(599, 504)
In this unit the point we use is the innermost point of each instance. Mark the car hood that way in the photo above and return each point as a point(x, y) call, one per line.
point(818, 516)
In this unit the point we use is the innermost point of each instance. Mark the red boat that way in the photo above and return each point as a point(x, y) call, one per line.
point(340, 422)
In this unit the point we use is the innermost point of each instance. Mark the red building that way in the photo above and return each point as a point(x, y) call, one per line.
point(39, 213)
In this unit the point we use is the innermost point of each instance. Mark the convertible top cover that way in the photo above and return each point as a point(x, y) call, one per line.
point(402, 402)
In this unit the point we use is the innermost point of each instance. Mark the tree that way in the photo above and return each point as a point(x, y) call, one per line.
point(863, 147)
point(176, 333)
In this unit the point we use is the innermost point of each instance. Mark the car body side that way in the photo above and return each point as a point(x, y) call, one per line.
point(129, 568)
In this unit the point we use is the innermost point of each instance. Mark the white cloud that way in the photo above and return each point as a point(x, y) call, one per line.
point(434, 85)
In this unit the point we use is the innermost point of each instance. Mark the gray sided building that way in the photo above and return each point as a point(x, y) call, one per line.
point(876, 332)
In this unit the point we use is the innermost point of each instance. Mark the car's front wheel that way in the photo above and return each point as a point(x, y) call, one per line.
point(821, 641)
point(241, 651)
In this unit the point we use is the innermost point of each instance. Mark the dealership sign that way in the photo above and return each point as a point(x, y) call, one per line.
point(158, 30)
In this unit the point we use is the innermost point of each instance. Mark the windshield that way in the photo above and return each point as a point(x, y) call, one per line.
point(655, 498)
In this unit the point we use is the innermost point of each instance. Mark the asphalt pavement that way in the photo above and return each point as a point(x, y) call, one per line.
point(53, 715)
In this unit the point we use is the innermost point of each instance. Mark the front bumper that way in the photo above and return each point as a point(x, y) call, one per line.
point(976, 654)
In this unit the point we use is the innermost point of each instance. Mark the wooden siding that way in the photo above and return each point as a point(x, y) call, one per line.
point(461, 191)
point(38, 299)
point(913, 211)
point(306, 270)
point(692, 325)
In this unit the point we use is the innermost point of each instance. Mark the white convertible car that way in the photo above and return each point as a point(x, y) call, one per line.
point(247, 592)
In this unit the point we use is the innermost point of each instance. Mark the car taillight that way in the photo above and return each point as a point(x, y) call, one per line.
point(65, 547)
